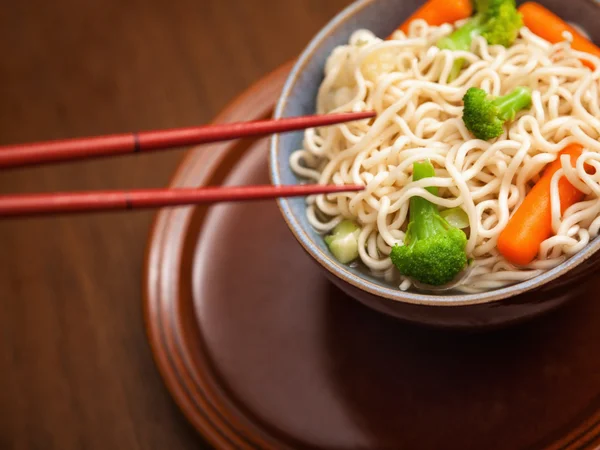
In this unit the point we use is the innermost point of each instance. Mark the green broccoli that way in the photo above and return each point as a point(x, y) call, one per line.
point(498, 21)
point(485, 117)
point(433, 251)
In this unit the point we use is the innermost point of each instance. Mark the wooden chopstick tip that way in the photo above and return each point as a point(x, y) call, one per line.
point(316, 189)
point(360, 114)
point(347, 188)
point(351, 116)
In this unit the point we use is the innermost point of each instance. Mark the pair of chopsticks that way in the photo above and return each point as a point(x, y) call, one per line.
point(21, 155)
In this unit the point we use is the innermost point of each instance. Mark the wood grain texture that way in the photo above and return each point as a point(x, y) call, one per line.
point(75, 367)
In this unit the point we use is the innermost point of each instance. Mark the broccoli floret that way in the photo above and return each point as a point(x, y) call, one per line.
point(433, 251)
point(485, 117)
point(498, 21)
point(501, 27)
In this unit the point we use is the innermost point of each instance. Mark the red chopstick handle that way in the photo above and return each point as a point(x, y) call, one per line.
point(60, 150)
point(39, 204)
point(68, 149)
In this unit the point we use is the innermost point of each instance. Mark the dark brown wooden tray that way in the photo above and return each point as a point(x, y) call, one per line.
point(260, 351)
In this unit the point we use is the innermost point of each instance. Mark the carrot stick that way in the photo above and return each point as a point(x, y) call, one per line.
point(438, 12)
point(550, 27)
point(531, 224)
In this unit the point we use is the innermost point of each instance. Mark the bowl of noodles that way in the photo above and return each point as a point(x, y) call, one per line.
point(481, 204)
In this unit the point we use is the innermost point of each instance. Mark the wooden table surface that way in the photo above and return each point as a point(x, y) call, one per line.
point(76, 371)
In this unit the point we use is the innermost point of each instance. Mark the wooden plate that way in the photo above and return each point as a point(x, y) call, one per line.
point(260, 351)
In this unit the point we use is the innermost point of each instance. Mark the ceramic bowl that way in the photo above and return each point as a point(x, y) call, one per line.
point(492, 308)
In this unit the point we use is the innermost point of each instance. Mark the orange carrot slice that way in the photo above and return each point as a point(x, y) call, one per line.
point(550, 27)
point(531, 224)
point(438, 12)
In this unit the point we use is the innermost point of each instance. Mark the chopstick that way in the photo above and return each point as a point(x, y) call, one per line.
point(69, 149)
point(72, 202)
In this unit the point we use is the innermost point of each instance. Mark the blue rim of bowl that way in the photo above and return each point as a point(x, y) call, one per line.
point(363, 284)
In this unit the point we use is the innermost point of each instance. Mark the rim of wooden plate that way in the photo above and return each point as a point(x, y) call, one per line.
point(171, 332)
